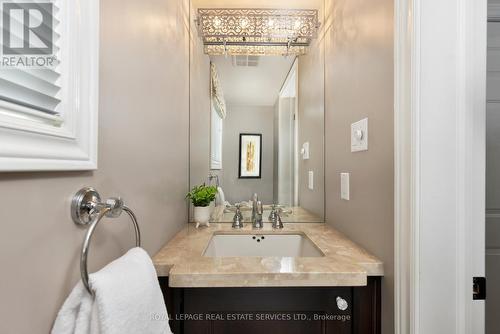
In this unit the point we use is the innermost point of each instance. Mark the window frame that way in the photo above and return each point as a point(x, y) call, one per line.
point(35, 141)
point(216, 139)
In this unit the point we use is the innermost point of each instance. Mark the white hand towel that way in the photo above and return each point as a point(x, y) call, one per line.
point(128, 299)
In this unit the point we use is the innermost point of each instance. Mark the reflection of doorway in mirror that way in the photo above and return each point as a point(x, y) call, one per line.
point(287, 155)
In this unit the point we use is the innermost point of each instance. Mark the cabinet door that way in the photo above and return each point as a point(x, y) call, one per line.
point(274, 310)
point(267, 310)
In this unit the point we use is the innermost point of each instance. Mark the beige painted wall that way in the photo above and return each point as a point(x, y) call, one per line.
point(359, 83)
point(199, 110)
point(143, 156)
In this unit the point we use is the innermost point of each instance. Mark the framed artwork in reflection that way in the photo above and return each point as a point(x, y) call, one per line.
point(250, 162)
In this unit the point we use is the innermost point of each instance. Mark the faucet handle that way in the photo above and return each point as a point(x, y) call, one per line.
point(284, 213)
point(238, 217)
point(277, 222)
point(272, 214)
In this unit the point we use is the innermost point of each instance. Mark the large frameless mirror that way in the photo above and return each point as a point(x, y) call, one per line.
point(257, 115)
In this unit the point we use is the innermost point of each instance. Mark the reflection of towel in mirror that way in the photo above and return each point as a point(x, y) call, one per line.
point(128, 299)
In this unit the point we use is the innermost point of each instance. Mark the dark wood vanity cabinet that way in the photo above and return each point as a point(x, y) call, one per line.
point(275, 310)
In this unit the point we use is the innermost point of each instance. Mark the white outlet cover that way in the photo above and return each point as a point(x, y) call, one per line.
point(359, 136)
point(310, 184)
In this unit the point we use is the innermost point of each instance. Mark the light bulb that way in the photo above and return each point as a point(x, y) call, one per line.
point(217, 22)
point(244, 22)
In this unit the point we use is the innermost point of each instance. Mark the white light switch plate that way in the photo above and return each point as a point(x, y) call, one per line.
point(344, 186)
point(311, 180)
point(359, 136)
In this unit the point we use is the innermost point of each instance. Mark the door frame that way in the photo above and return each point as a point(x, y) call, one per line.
point(293, 74)
point(439, 118)
point(491, 213)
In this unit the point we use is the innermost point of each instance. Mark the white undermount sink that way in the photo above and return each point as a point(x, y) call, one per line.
point(261, 245)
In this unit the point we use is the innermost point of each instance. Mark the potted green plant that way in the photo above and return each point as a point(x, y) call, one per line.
point(201, 196)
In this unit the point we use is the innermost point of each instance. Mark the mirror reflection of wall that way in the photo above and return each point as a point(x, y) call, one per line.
point(277, 99)
point(251, 86)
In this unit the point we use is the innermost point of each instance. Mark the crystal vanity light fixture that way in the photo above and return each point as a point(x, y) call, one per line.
point(256, 31)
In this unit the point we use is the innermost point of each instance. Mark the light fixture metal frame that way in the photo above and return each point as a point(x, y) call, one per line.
point(257, 31)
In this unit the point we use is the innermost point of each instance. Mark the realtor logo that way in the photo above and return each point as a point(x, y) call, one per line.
point(27, 35)
point(27, 28)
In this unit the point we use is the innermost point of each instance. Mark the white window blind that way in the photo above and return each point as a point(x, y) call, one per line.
point(217, 95)
point(49, 115)
point(33, 88)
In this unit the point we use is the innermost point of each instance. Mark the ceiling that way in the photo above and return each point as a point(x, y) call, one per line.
point(252, 85)
point(308, 4)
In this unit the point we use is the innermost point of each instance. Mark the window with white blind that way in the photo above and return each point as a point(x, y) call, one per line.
point(49, 85)
point(35, 89)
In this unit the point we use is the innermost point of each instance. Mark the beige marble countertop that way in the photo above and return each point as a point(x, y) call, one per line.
point(344, 263)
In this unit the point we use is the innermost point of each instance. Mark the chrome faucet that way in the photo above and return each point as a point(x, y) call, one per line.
point(257, 223)
point(272, 214)
point(255, 198)
point(257, 211)
point(238, 217)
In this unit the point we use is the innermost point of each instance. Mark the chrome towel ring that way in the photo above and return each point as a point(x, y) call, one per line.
point(88, 210)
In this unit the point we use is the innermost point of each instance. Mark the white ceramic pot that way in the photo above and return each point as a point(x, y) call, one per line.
point(202, 215)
